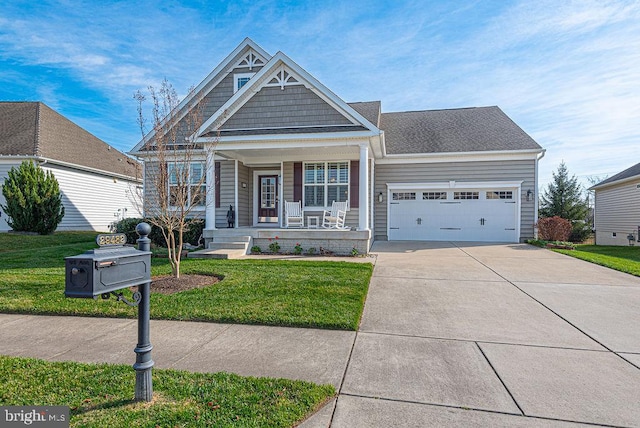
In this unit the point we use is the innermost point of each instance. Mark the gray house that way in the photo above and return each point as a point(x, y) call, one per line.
point(617, 208)
point(95, 179)
point(278, 134)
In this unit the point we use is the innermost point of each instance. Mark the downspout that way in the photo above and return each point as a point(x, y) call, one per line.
point(536, 196)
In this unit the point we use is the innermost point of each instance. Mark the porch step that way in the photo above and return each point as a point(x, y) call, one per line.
point(224, 247)
point(227, 246)
point(217, 254)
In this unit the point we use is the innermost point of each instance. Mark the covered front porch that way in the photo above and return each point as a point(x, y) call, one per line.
point(253, 184)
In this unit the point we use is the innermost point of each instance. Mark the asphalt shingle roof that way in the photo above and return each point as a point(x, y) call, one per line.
point(33, 129)
point(370, 110)
point(474, 129)
point(627, 173)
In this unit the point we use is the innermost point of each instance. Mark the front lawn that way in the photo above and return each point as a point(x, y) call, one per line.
point(624, 259)
point(285, 293)
point(100, 395)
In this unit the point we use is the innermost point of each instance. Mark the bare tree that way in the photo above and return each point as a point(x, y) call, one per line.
point(175, 167)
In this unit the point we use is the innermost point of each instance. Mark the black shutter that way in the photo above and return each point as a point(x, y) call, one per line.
point(297, 181)
point(354, 184)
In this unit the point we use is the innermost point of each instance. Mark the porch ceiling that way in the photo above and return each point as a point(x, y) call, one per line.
point(273, 156)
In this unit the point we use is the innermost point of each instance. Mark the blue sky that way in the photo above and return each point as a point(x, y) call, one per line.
point(567, 72)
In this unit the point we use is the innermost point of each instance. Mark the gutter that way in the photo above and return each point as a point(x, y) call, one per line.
point(43, 161)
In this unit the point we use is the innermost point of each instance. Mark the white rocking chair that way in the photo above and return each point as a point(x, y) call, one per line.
point(293, 216)
point(334, 218)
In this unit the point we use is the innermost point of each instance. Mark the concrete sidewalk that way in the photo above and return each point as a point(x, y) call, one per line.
point(453, 334)
point(316, 355)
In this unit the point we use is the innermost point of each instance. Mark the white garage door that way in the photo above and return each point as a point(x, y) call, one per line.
point(484, 215)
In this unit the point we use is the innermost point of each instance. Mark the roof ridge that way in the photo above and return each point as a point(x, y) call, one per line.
point(439, 109)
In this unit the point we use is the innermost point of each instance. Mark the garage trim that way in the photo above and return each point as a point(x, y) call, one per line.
point(459, 185)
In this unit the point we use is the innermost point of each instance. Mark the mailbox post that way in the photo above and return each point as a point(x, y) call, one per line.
point(144, 363)
point(112, 267)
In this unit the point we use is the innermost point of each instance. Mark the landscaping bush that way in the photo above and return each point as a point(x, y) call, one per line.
point(34, 202)
point(191, 234)
point(128, 227)
point(580, 232)
point(554, 228)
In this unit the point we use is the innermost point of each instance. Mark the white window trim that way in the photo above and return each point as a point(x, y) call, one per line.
point(326, 185)
point(237, 77)
point(173, 164)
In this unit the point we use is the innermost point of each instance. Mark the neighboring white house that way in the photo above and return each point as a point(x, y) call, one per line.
point(96, 180)
point(617, 208)
point(467, 174)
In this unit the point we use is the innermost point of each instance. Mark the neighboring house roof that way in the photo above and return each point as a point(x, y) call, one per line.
point(628, 173)
point(34, 129)
point(475, 129)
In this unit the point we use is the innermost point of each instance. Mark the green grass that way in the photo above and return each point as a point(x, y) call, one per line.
point(285, 293)
point(100, 395)
point(624, 259)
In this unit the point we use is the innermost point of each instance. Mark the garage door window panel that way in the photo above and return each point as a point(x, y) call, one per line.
point(466, 195)
point(404, 196)
point(500, 194)
point(431, 196)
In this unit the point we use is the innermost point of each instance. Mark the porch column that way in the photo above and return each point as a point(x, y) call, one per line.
point(235, 225)
point(363, 209)
point(210, 207)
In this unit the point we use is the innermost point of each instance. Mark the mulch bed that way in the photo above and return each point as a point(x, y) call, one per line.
point(168, 284)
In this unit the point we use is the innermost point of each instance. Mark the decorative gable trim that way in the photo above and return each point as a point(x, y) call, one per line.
point(251, 59)
point(283, 77)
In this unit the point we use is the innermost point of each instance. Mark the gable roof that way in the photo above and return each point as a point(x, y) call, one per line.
point(475, 129)
point(33, 129)
point(628, 173)
point(283, 69)
point(237, 58)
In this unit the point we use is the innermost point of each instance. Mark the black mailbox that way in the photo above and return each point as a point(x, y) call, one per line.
point(108, 268)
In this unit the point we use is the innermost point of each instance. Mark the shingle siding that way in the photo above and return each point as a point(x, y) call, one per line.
point(617, 209)
point(523, 170)
point(293, 106)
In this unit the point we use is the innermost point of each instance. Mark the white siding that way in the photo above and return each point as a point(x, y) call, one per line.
point(617, 211)
point(91, 201)
point(4, 173)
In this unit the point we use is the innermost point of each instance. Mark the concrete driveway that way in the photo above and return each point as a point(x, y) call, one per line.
point(460, 334)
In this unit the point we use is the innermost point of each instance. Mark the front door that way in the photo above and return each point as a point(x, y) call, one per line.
point(268, 199)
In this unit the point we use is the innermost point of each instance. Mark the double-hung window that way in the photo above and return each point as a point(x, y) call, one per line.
point(325, 182)
point(187, 185)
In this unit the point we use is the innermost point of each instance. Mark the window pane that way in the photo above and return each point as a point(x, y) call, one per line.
point(338, 172)
point(242, 81)
point(337, 193)
point(198, 195)
point(174, 195)
point(173, 179)
point(197, 171)
point(314, 196)
point(314, 173)
point(343, 174)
